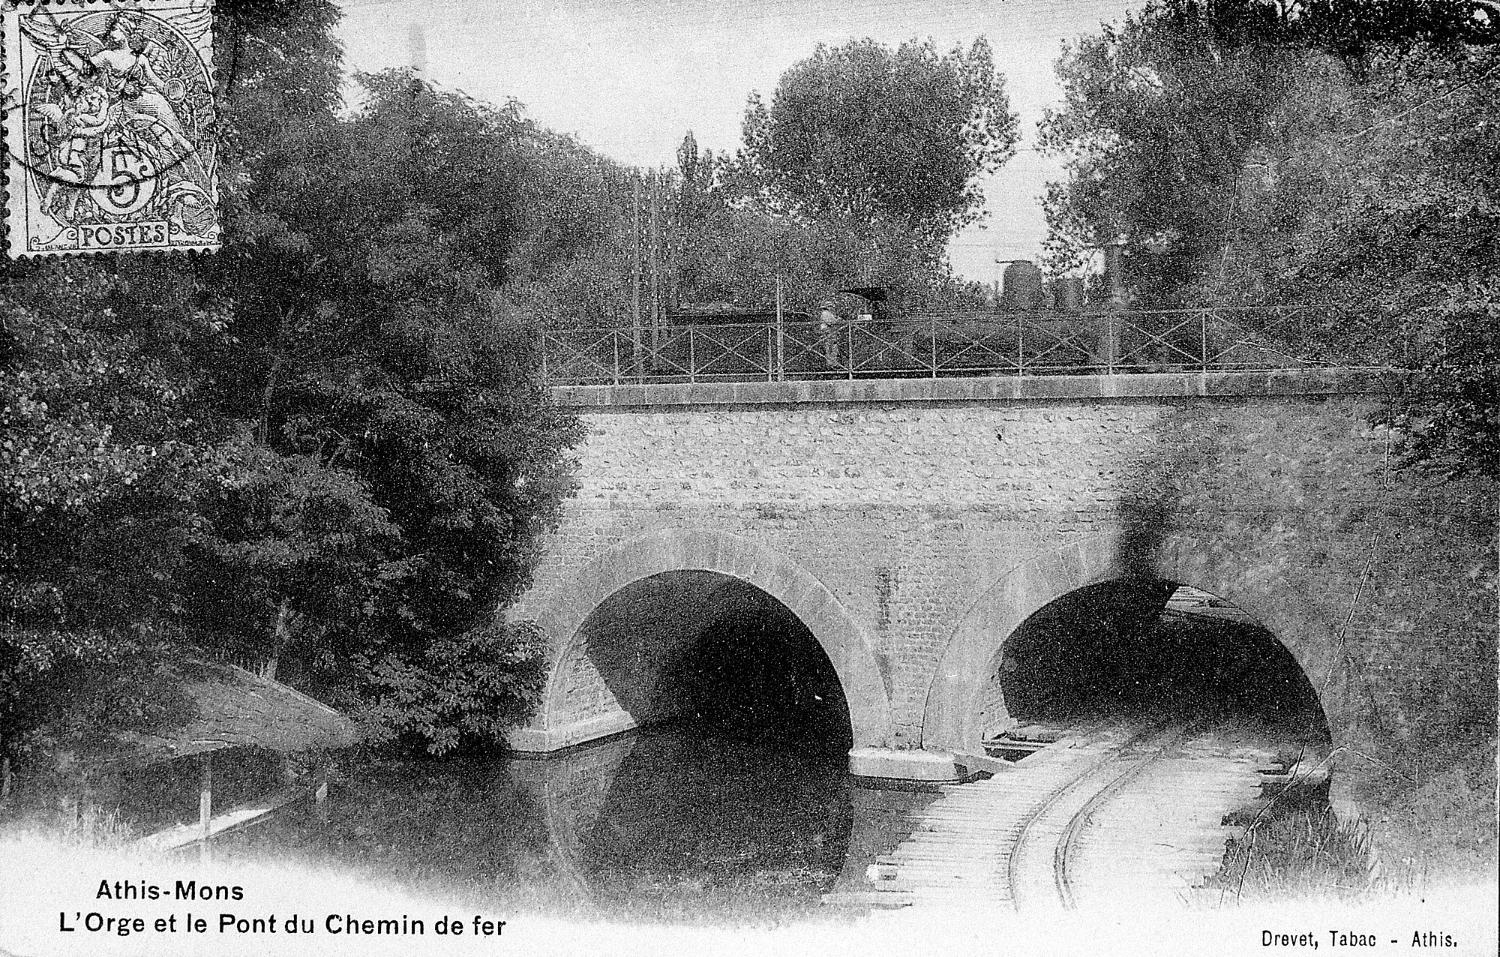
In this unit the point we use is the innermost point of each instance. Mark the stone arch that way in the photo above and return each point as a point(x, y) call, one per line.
point(564, 610)
point(950, 716)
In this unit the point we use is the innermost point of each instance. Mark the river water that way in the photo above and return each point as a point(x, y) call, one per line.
point(676, 823)
point(746, 811)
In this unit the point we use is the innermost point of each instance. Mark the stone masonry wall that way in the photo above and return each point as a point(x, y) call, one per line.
point(910, 511)
point(904, 513)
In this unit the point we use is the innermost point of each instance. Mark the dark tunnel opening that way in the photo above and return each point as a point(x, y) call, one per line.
point(760, 675)
point(1145, 650)
point(706, 648)
point(740, 773)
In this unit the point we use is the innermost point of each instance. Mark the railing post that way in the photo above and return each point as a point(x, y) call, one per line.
point(1203, 337)
point(780, 334)
point(615, 338)
point(1114, 342)
point(692, 354)
point(1020, 346)
point(1111, 341)
point(932, 345)
point(849, 348)
point(770, 357)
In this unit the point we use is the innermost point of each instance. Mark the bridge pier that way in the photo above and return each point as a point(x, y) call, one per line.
point(911, 765)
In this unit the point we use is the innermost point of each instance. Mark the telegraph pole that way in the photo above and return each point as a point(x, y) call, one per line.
point(635, 273)
point(655, 255)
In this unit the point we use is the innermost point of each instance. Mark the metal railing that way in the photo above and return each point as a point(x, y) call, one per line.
point(957, 344)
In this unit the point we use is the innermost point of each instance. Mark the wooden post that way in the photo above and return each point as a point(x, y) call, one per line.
point(320, 793)
point(205, 802)
point(4, 779)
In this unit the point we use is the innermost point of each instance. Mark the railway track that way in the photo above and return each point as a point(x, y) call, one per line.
point(1116, 817)
point(1157, 834)
point(1042, 858)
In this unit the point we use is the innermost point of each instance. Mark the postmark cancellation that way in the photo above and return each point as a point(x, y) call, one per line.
point(110, 127)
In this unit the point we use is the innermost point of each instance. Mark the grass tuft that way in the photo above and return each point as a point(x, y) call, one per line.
point(1301, 853)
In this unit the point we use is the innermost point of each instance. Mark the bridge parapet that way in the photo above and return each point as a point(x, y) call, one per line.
point(1079, 388)
point(942, 345)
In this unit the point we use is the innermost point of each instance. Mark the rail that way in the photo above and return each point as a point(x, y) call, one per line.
point(955, 344)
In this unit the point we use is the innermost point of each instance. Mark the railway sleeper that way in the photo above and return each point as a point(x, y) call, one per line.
point(890, 899)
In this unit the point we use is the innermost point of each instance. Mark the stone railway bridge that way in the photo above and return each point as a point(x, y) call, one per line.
point(913, 526)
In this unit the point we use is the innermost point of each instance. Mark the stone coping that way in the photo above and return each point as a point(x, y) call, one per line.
point(1154, 385)
point(532, 740)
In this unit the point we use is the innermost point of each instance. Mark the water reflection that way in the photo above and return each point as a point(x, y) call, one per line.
point(673, 823)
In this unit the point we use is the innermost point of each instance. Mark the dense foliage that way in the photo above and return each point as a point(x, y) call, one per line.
point(857, 173)
point(1341, 155)
point(865, 135)
point(1255, 152)
point(325, 448)
point(731, 248)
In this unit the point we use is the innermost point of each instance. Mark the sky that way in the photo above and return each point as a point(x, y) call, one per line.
point(630, 77)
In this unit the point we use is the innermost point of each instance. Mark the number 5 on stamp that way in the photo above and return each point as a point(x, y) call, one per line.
point(110, 127)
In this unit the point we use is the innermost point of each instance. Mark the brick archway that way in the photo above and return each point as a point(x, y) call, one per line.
point(950, 718)
point(563, 611)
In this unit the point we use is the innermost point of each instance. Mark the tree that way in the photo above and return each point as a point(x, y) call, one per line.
point(326, 447)
point(572, 261)
point(100, 461)
point(410, 458)
point(1320, 153)
point(864, 135)
point(739, 248)
point(1161, 116)
point(111, 446)
point(908, 133)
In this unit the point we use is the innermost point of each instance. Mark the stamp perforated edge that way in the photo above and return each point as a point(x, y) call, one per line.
point(7, 125)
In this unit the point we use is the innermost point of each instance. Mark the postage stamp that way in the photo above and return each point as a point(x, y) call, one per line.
point(110, 127)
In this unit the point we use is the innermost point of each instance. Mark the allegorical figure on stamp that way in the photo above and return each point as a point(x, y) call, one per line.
point(78, 114)
point(118, 118)
point(146, 108)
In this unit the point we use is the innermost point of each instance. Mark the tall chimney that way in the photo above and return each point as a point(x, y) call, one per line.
point(416, 38)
